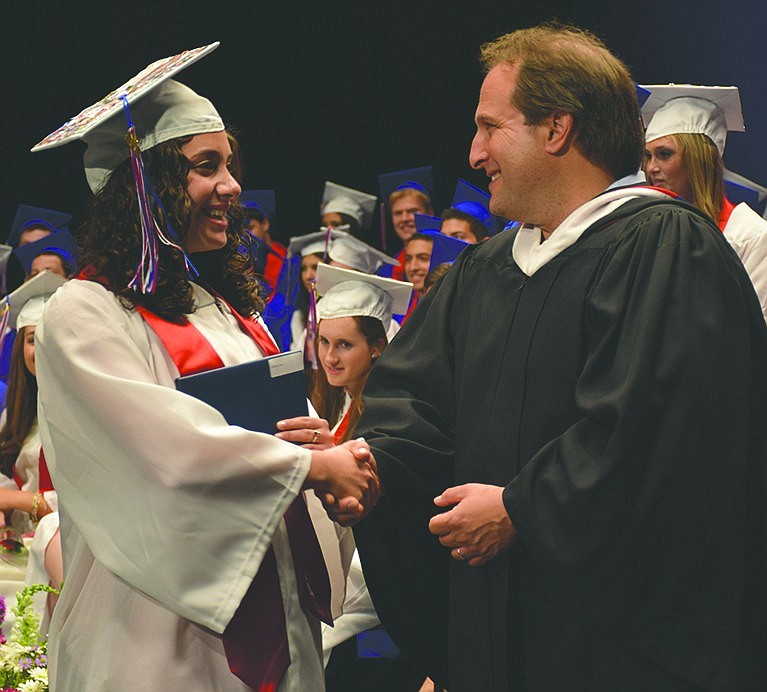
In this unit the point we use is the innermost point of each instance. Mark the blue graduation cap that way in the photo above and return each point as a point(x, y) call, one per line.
point(421, 179)
point(59, 243)
point(28, 216)
point(445, 249)
point(642, 95)
point(426, 222)
point(471, 200)
point(264, 201)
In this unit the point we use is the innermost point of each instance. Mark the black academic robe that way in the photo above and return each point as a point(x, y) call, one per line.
point(618, 394)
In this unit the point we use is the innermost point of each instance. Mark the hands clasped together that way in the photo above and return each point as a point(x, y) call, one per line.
point(478, 527)
point(344, 477)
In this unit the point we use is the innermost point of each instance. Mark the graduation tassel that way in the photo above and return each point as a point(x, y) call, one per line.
point(150, 207)
point(311, 326)
point(4, 323)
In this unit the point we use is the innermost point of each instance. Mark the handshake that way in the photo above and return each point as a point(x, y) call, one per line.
point(344, 477)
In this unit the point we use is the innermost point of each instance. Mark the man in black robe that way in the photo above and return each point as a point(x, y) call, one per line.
point(586, 396)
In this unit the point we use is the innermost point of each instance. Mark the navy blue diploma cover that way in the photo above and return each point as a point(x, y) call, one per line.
point(253, 395)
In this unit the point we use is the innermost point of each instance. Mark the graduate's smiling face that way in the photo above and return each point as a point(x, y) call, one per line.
point(344, 353)
point(211, 188)
point(403, 212)
point(510, 152)
point(417, 261)
point(665, 167)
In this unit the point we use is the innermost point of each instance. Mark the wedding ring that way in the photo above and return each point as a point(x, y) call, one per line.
point(458, 555)
point(316, 437)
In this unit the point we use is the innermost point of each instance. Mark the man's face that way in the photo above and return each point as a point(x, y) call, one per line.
point(50, 261)
point(417, 261)
point(510, 152)
point(459, 228)
point(259, 229)
point(33, 234)
point(403, 213)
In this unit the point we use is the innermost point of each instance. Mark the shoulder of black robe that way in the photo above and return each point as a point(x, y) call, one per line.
point(651, 500)
point(625, 383)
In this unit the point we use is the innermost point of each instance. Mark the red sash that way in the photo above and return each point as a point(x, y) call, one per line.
point(255, 640)
point(724, 215)
point(45, 482)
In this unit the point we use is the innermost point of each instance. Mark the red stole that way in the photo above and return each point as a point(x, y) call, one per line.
point(274, 261)
point(724, 216)
point(255, 640)
point(45, 483)
point(398, 272)
point(414, 300)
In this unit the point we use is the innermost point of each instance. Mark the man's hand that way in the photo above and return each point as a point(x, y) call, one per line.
point(478, 527)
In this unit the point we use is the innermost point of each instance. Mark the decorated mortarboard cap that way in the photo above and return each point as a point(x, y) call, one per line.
point(445, 249)
point(25, 304)
point(344, 200)
point(160, 108)
point(318, 242)
point(348, 293)
point(352, 252)
point(687, 108)
point(60, 243)
point(421, 179)
point(426, 222)
point(28, 216)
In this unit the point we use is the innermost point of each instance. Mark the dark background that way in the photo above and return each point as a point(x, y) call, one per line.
point(336, 91)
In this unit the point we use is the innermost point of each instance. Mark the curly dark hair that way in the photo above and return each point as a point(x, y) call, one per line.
point(110, 239)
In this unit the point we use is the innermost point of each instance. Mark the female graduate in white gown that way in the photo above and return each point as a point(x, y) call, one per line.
point(167, 512)
point(686, 133)
point(354, 321)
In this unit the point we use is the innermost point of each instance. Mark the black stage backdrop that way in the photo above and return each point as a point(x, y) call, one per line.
point(336, 91)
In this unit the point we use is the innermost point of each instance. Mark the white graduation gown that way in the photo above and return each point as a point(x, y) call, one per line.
point(166, 511)
point(746, 232)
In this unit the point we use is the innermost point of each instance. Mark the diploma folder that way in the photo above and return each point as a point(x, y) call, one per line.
point(253, 395)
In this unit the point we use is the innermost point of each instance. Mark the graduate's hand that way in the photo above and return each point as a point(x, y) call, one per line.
point(478, 527)
point(309, 432)
point(345, 479)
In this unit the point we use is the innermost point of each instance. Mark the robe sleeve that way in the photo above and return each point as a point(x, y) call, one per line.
point(167, 495)
point(408, 420)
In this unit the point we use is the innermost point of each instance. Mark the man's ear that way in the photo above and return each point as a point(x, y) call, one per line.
point(560, 132)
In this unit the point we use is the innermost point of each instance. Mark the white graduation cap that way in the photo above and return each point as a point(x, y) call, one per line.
point(348, 293)
point(27, 301)
point(352, 252)
point(317, 243)
point(687, 108)
point(160, 108)
point(344, 200)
